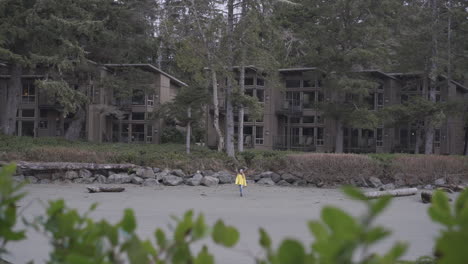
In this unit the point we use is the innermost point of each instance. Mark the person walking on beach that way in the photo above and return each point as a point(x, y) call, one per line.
point(241, 181)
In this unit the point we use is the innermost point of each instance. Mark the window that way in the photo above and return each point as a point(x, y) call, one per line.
point(249, 92)
point(404, 98)
point(27, 113)
point(437, 138)
point(379, 137)
point(370, 100)
point(295, 120)
point(308, 100)
point(248, 135)
point(437, 98)
point(138, 116)
point(308, 119)
point(43, 113)
point(320, 136)
point(320, 97)
point(319, 120)
point(247, 118)
point(308, 136)
point(260, 82)
point(29, 92)
point(259, 135)
point(138, 97)
point(319, 83)
point(150, 100)
point(138, 133)
point(293, 83)
point(260, 95)
point(308, 83)
point(249, 81)
point(149, 133)
point(380, 87)
point(125, 132)
point(43, 124)
point(380, 100)
point(260, 119)
point(404, 137)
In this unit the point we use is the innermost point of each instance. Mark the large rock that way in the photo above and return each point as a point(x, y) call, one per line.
point(440, 181)
point(178, 173)
point(119, 178)
point(151, 182)
point(224, 177)
point(137, 180)
point(399, 179)
point(71, 175)
point(266, 181)
point(145, 173)
point(275, 177)
point(289, 177)
point(84, 173)
point(19, 178)
point(283, 183)
point(209, 181)
point(31, 179)
point(208, 173)
point(172, 180)
point(160, 175)
point(57, 176)
point(375, 182)
point(387, 187)
point(42, 176)
point(300, 182)
point(195, 180)
point(156, 170)
point(101, 179)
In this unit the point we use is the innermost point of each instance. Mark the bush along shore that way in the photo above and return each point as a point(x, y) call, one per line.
point(316, 170)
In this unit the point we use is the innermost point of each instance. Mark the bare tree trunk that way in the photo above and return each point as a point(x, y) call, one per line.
point(74, 130)
point(429, 126)
point(13, 97)
point(240, 141)
point(465, 150)
point(214, 78)
point(418, 141)
point(339, 137)
point(216, 110)
point(229, 108)
point(189, 130)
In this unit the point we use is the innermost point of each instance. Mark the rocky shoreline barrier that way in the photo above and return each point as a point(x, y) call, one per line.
point(91, 173)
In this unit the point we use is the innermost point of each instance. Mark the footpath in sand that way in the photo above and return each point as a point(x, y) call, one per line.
point(282, 211)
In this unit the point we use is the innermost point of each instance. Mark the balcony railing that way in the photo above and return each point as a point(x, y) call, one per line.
point(297, 143)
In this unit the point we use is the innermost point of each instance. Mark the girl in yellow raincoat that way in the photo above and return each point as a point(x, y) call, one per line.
point(241, 181)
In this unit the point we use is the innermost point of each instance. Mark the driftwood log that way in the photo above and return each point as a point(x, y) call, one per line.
point(452, 187)
point(96, 189)
point(395, 193)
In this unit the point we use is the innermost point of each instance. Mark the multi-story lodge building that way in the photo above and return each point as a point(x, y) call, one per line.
point(41, 116)
point(292, 121)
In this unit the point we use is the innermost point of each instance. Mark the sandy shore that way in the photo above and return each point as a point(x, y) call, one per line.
point(282, 211)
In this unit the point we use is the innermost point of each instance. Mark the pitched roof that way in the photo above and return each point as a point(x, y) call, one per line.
point(149, 67)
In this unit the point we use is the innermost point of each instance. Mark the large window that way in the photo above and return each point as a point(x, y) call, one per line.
point(320, 140)
point(259, 135)
point(308, 100)
point(308, 119)
point(138, 116)
point(29, 92)
point(260, 82)
point(293, 83)
point(249, 81)
point(380, 100)
point(138, 133)
point(260, 95)
point(308, 83)
point(28, 113)
point(379, 137)
point(149, 133)
point(437, 138)
point(138, 97)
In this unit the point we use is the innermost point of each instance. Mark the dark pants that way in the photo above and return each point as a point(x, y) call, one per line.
point(240, 189)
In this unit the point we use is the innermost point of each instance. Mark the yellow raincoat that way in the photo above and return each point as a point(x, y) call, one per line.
point(240, 179)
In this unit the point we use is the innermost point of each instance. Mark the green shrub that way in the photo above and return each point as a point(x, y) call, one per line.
point(172, 135)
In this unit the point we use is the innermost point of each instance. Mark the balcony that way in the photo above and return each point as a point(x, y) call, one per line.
point(294, 143)
point(291, 107)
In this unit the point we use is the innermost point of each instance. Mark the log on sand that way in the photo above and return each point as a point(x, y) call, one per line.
point(395, 193)
point(95, 189)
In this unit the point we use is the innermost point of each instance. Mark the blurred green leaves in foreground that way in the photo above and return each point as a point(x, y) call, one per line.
point(338, 236)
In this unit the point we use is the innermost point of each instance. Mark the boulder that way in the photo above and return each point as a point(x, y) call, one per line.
point(208, 173)
point(388, 186)
point(375, 182)
point(399, 179)
point(224, 177)
point(119, 178)
point(79, 180)
point(178, 173)
point(440, 181)
point(275, 177)
point(70, 175)
point(57, 176)
point(19, 178)
point(150, 182)
point(300, 183)
point(42, 176)
point(100, 178)
point(137, 180)
point(31, 179)
point(266, 181)
point(283, 183)
point(209, 181)
point(172, 180)
point(289, 177)
point(145, 173)
point(160, 175)
point(429, 187)
point(84, 173)
point(156, 170)
point(195, 180)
